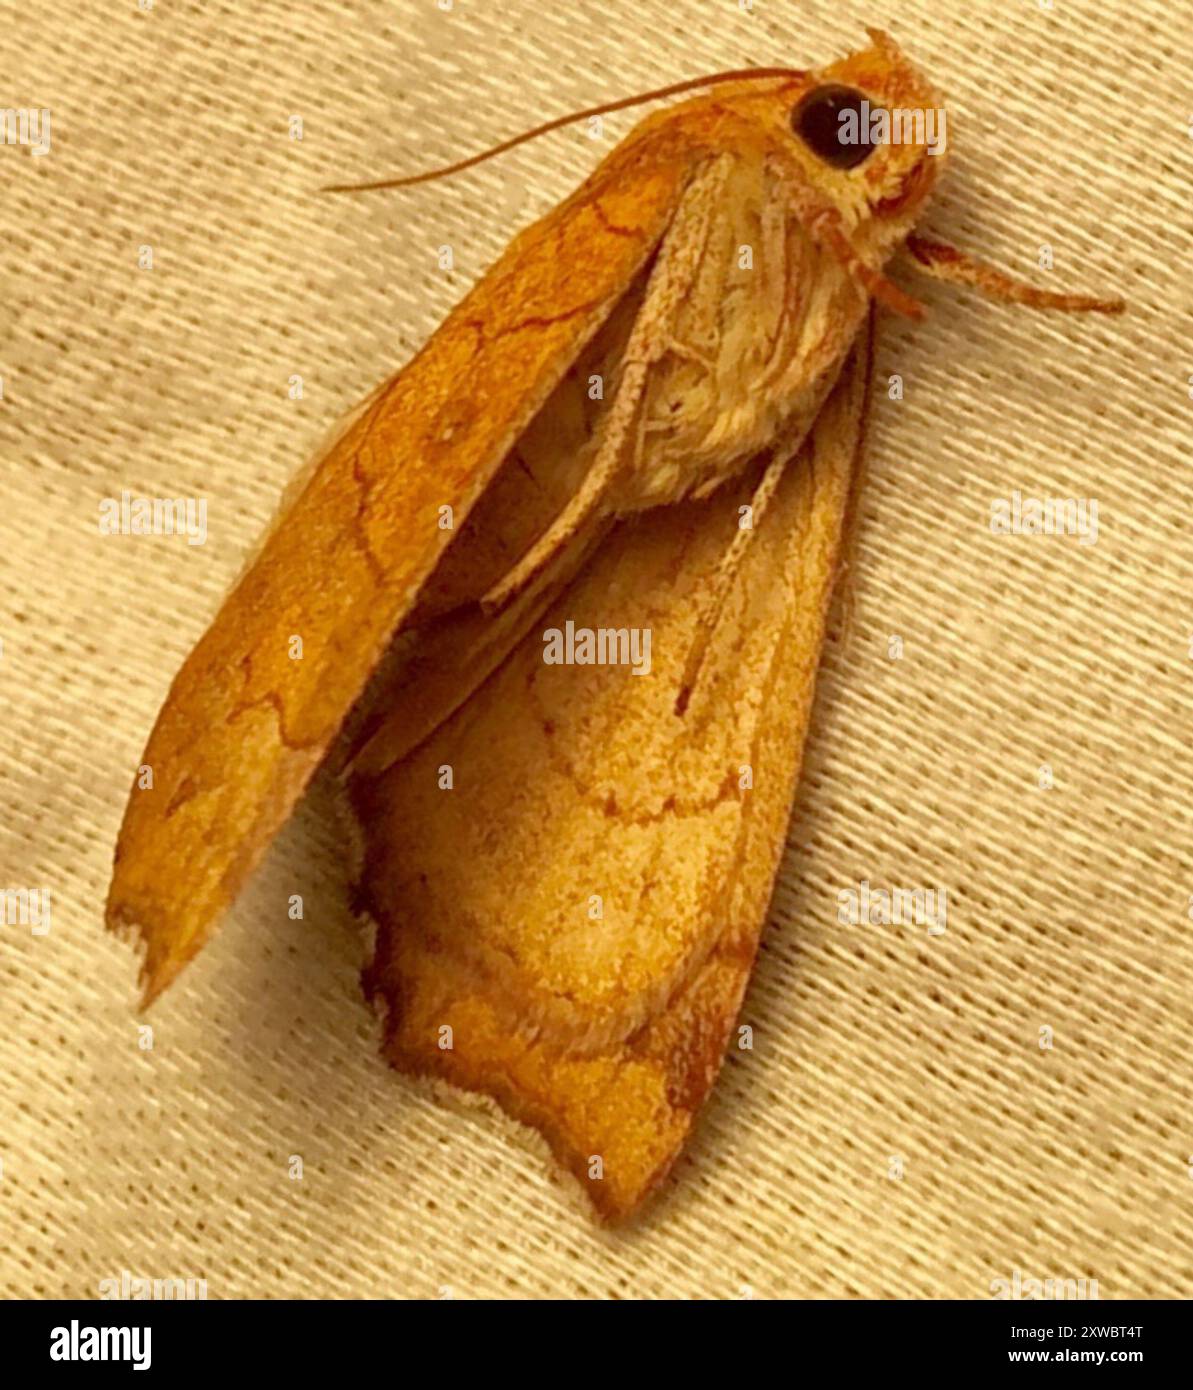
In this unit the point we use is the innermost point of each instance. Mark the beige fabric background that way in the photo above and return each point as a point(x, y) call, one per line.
point(1068, 908)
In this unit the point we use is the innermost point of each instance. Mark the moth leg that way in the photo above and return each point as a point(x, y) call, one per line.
point(626, 429)
point(713, 600)
point(677, 348)
point(686, 353)
point(592, 496)
point(599, 482)
point(944, 262)
point(652, 339)
point(588, 501)
point(822, 222)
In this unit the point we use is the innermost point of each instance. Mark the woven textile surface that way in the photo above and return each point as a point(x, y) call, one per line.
point(921, 1114)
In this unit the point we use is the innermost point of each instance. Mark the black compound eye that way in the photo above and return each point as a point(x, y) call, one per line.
point(834, 122)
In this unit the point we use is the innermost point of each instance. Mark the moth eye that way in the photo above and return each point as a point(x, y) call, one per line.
point(821, 120)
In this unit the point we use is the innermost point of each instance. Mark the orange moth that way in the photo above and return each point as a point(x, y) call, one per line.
point(561, 586)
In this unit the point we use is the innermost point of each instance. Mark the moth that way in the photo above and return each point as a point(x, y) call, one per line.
point(645, 421)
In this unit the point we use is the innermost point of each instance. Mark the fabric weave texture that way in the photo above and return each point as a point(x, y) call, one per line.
point(920, 1115)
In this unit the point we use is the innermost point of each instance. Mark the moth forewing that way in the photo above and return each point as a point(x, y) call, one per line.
point(451, 645)
point(246, 723)
point(607, 1034)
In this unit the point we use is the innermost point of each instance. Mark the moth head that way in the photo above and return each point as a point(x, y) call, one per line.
point(868, 136)
point(859, 145)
